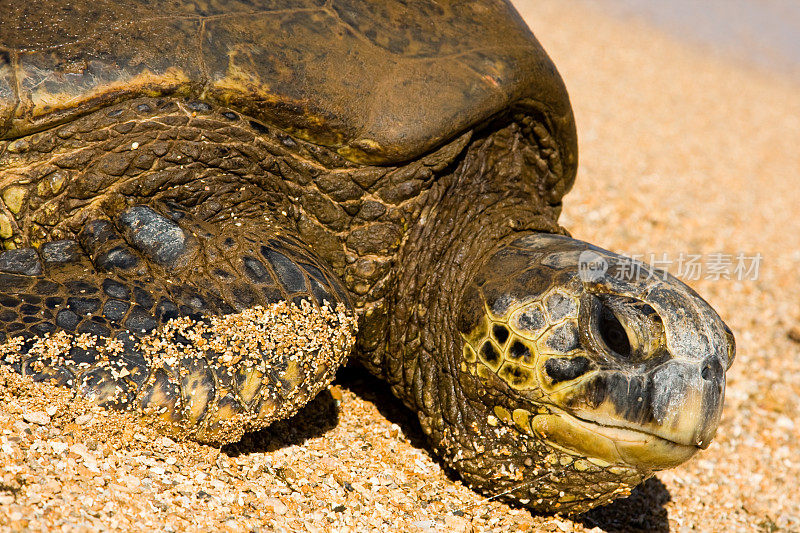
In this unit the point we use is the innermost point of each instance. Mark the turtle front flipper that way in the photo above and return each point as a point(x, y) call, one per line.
point(208, 330)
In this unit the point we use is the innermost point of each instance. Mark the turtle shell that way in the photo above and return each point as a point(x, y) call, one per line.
point(380, 82)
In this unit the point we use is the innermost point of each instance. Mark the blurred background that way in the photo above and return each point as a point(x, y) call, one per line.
point(764, 32)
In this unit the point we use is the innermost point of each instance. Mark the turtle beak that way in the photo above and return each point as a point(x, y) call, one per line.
point(689, 399)
point(650, 421)
point(661, 353)
point(690, 389)
point(641, 380)
point(671, 383)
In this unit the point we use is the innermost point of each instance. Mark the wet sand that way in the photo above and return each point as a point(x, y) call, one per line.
point(682, 153)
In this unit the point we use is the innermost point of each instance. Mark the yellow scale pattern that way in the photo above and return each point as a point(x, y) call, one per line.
point(512, 347)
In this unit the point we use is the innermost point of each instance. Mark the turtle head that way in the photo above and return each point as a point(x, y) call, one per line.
point(599, 365)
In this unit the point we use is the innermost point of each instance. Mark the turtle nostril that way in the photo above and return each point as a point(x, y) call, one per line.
point(731, 347)
point(613, 334)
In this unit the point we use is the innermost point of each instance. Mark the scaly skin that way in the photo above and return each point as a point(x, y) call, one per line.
point(197, 208)
point(408, 243)
point(220, 174)
point(509, 419)
point(546, 388)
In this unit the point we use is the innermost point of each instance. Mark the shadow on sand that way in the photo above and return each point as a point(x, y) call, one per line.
point(315, 419)
point(643, 510)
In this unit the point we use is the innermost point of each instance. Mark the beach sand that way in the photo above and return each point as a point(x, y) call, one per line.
point(684, 153)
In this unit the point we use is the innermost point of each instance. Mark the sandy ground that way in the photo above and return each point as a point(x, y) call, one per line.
point(763, 32)
point(684, 154)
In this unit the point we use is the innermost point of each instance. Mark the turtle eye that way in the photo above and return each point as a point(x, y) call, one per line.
point(627, 329)
point(611, 332)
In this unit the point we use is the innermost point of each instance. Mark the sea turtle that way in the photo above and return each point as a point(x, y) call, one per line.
point(206, 206)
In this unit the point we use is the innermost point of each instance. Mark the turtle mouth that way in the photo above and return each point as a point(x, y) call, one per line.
point(610, 443)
